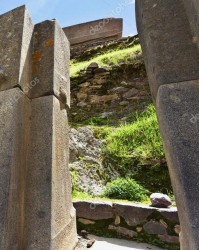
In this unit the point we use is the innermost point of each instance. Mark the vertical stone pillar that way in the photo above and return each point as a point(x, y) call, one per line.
point(170, 49)
point(35, 188)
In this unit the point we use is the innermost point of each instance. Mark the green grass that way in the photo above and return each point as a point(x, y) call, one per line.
point(139, 141)
point(106, 60)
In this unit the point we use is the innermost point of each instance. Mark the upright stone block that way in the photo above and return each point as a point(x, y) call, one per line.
point(14, 130)
point(50, 216)
point(169, 36)
point(178, 112)
point(35, 187)
point(171, 55)
point(51, 57)
point(15, 38)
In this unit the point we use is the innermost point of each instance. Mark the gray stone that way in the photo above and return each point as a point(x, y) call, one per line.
point(132, 213)
point(177, 110)
point(167, 42)
point(51, 62)
point(14, 108)
point(48, 207)
point(169, 239)
point(15, 39)
point(170, 214)
point(122, 231)
point(154, 227)
point(92, 66)
point(131, 93)
point(94, 210)
point(160, 200)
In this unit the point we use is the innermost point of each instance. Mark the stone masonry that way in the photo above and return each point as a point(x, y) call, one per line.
point(168, 31)
point(35, 187)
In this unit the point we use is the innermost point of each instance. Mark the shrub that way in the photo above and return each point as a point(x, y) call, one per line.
point(125, 189)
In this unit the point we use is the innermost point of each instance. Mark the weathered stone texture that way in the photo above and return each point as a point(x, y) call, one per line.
point(132, 213)
point(94, 210)
point(15, 37)
point(167, 43)
point(178, 108)
point(49, 210)
point(35, 186)
point(50, 62)
point(13, 133)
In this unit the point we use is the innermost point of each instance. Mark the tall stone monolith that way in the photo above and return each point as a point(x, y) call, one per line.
point(168, 31)
point(35, 187)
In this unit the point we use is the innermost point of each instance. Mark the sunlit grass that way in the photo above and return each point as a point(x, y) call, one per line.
point(108, 59)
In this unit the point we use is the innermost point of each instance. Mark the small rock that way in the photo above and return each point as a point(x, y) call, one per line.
point(117, 220)
point(131, 93)
point(139, 229)
point(84, 234)
point(90, 243)
point(84, 85)
point(118, 90)
point(93, 66)
point(86, 221)
point(177, 229)
point(160, 200)
point(106, 114)
point(124, 103)
point(169, 239)
point(123, 231)
point(82, 104)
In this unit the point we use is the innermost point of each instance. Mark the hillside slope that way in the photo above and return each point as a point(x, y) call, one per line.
point(114, 130)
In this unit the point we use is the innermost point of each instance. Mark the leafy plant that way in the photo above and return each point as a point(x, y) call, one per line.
point(125, 189)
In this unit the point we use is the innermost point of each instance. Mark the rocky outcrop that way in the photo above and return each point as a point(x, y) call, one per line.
point(88, 173)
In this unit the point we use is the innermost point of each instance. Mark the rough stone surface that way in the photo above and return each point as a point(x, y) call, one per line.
point(35, 198)
point(167, 43)
point(170, 214)
point(15, 38)
point(169, 239)
point(51, 62)
point(94, 210)
point(86, 166)
point(160, 200)
point(121, 231)
point(14, 108)
point(133, 214)
point(49, 210)
point(153, 227)
point(178, 108)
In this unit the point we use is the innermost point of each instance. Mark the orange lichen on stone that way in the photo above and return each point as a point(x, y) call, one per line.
point(35, 68)
point(50, 43)
point(37, 56)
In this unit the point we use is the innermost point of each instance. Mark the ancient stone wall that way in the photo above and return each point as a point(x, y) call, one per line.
point(130, 221)
point(91, 34)
point(35, 187)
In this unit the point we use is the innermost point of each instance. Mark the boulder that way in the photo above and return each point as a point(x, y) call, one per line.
point(160, 200)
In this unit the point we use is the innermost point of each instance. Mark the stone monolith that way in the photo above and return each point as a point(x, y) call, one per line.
point(169, 37)
point(35, 186)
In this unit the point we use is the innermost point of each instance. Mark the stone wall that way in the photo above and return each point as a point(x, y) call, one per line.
point(129, 221)
point(91, 34)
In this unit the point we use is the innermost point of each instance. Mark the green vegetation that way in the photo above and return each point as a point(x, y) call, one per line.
point(126, 189)
point(106, 60)
point(137, 142)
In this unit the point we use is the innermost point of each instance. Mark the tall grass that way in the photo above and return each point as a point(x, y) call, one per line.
point(139, 141)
